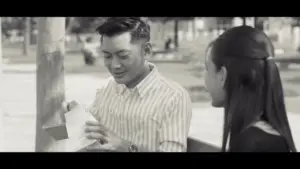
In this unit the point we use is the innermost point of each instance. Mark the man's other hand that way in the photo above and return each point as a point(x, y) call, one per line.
point(108, 140)
point(68, 106)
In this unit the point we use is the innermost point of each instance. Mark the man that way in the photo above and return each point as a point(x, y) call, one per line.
point(138, 110)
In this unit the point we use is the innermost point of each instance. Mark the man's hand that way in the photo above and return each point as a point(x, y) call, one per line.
point(108, 141)
point(68, 106)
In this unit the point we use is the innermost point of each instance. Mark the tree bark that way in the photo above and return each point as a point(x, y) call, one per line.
point(1, 112)
point(258, 23)
point(1, 54)
point(26, 35)
point(50, 79)
point(244, 21)
point(70, 25)
point(176, 33)
point(194, 29)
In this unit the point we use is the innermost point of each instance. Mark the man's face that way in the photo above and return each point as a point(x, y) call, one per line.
point(123, 59)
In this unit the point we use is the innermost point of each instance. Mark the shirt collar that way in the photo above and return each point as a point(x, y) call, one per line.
point(148, 82)
point(120, 88)
point(145, 85)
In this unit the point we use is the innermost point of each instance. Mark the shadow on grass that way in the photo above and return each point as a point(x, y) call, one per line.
point(289, 69)
point(78, 69)
point(290, 93)
point(199, 93)
point(293, 80)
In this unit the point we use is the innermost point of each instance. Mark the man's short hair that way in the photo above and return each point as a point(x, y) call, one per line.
point(117, 25)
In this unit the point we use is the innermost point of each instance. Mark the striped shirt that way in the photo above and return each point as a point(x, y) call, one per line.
point(156, 114)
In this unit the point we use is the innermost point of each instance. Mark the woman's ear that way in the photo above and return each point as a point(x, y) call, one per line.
point(147, 49)
point(223, 75)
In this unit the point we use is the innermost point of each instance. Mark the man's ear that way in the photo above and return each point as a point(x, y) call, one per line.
point(147, 49)
point(223, 75)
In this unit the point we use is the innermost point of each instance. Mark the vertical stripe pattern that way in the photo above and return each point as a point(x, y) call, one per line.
point(156, 114)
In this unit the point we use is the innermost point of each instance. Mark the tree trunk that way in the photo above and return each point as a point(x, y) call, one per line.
point(218, 27)
point(1, 112)
point(176, 33)
point(33, 37)
point(194, 29)
point(244, 21)
point(26, 36)
point(72, 22)
point(163, 32)
point(258, 23)
point(50, 80)
point(1, 59)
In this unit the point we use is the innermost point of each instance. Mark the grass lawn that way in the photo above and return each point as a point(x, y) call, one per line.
point(192, 79)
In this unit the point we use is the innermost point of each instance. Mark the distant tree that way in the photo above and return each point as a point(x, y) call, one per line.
point(6, 26)
point(224, 22)
point(259, 22)
point(295, 21)
point(85, 24)
point(70, 22)
point(176, 21)
point(244, 20)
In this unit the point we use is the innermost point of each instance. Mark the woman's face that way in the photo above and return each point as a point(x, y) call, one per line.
point(214, 81)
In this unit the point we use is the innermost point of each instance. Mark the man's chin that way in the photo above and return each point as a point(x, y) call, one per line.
point(120, 80)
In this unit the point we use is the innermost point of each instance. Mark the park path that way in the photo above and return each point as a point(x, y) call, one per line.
point(18, 102)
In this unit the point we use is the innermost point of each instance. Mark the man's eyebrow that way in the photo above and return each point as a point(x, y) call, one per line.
point(121, 51)
point(105, 52)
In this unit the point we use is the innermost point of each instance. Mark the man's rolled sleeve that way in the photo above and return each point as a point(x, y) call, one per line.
point(174, 131)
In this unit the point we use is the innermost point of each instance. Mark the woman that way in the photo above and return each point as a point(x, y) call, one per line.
point(242, 77)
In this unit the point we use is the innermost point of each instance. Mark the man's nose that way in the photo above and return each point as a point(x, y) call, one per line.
point(115, 64)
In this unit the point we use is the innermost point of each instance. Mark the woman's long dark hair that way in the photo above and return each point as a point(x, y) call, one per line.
point(253, 85)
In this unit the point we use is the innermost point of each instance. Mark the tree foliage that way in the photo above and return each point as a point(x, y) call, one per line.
point(167, 19)
point(295, 21)
point(224, 20)
point(85, 24)
point(77, 24)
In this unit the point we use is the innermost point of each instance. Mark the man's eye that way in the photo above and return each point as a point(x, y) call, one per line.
point(107, 56)
point(124, 56)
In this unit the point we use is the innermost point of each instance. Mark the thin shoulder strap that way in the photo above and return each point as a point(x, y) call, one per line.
point(266, 127)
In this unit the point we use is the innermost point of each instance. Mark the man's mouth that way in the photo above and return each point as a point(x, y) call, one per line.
point(119, 74)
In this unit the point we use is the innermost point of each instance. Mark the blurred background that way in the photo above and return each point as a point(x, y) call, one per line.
point(179, 45)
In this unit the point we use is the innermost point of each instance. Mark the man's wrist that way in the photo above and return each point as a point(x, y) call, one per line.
point(133, 148)
point(127, 146)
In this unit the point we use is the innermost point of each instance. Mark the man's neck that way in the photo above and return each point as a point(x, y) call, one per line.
point(140, 77)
